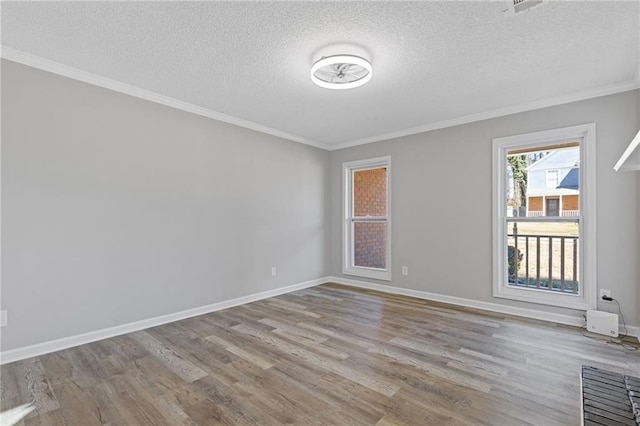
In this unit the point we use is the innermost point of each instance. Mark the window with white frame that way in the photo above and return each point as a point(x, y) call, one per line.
point(366, 230)
point(544, 237)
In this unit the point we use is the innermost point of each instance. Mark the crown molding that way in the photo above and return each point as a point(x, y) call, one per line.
point(44, 64)
point(515, 109)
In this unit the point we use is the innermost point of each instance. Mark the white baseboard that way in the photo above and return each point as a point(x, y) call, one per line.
point(486, 306)
point(92, 336)
point(105, 333)
point(632, 330)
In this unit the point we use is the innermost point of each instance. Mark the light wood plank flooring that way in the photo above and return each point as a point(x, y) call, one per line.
point(329, 355)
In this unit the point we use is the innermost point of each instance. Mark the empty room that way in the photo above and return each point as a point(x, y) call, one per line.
point(320, 213)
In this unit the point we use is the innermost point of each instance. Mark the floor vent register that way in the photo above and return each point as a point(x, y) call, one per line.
point(609, 398)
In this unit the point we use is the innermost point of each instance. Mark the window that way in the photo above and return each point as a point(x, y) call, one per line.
point(544, 239)
point(366, 233)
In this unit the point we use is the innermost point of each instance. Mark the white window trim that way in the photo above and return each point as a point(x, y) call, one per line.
point(347, 235)
point(587, 299)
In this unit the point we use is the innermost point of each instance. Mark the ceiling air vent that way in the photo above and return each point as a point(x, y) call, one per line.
point(519, 6)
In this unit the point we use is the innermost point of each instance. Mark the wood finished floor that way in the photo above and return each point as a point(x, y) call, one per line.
point(329, 355)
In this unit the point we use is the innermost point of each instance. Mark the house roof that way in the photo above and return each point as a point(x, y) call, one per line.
point(571, 180)
point(561, 159)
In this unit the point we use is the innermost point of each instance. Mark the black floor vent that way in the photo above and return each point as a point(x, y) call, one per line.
point(609, 398)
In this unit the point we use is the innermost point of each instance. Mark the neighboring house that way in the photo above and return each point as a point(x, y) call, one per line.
point(553, 184)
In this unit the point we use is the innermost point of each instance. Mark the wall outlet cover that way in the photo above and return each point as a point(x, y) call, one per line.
point(604, 292)
point(602, 323)
point(3, 318)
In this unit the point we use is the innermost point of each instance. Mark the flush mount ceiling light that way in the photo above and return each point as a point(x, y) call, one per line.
point(341, 72)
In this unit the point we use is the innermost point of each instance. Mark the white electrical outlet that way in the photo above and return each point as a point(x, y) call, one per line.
point(3, 318)
point(405, 270)
point(274, 271)
point(604, 292)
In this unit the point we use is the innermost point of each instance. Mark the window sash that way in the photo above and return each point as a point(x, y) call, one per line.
point(536, 261)
point(352, 174)
point(352, 256)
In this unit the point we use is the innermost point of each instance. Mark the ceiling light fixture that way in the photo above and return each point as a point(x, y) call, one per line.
point(341, 72)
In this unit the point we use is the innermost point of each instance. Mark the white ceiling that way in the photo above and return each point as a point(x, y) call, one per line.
point(435, 63)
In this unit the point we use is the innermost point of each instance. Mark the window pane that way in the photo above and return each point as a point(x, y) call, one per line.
point(544, 181)
point(543, 255)
point(370, 192)
point(370, 244)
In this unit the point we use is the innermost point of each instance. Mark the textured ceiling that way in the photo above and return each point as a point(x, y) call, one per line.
point(433, 61)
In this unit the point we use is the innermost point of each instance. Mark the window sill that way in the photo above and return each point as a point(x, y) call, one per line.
point(570, 301)
point(376, 274)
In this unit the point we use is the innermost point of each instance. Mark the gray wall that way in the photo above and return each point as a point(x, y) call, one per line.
point(441, 202)
point(115, 209)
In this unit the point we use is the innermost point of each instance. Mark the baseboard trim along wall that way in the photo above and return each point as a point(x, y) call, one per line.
point(485, 306)
point(105, 333)
point(92, 336)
